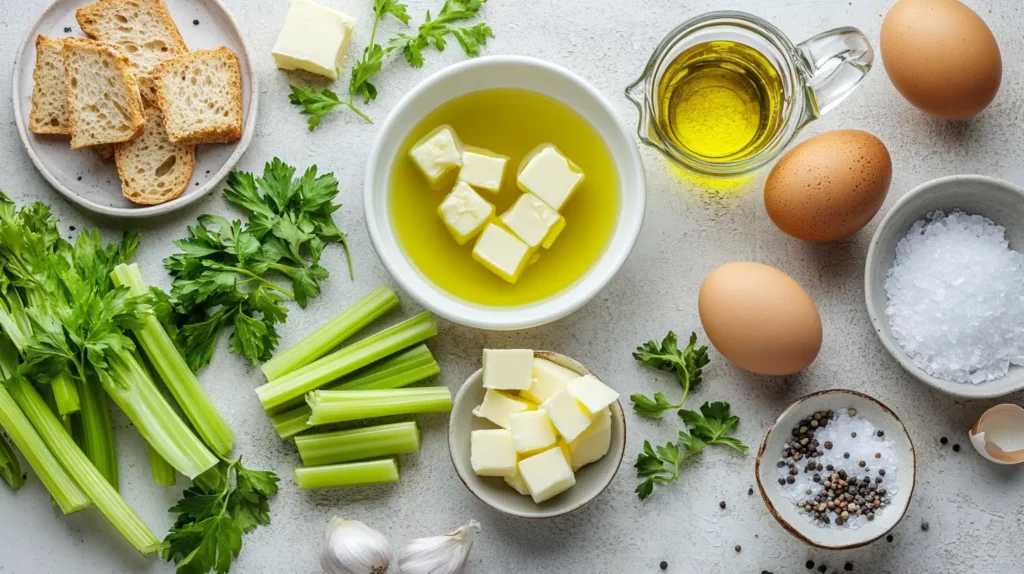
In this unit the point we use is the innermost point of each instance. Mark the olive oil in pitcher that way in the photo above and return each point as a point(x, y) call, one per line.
point(720, 101)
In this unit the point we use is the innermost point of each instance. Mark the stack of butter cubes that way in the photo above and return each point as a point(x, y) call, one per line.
point(505, 244)
point(551, 422)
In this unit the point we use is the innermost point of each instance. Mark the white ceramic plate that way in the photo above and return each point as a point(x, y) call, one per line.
point(1000, 201)
point(504, 72)
point(591, 480)
point(79, 174)
point(800, 524)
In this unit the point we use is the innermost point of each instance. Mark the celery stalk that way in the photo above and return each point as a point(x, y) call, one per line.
point(347, 474)
point(173, 370)
point(137, 395)
point(340, 406)
point(58, 482)
point(10, 466)
point(396, 371)
point(276, 394)
point(358, 444)
point(65, 394)
point(92, 483)
point(97, 432)
point(163, 473)
point(333, 333)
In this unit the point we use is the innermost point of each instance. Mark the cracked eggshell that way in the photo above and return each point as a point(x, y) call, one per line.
point(999, 434)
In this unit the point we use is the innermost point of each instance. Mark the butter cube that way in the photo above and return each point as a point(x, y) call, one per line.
point(548, 379)
point(501, 252)
point(592, 393)
point(533, 221)
point(547, 474)
point(497, 407)
point(594, 443)
point(550, 176)
point(314, 38)
point(491, 452)
point(516, 481)
point(465, 213)
point(437, 153)
point(508, 369)
point(483, 169)
point(531, 431)
point(568, 416)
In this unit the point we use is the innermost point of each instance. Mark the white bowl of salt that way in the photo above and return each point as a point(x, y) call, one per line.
point(944, 285)
point(850, 480)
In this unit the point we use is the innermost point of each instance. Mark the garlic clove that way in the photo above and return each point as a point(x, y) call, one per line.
point(351, 547)
point(439, 554)
point(998, 435)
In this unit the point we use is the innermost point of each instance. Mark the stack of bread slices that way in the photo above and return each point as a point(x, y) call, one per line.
point(134, 92)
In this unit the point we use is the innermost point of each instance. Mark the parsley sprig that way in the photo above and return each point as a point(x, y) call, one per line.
point(225, 272)
point(686, 364)
point(317, 104)
point(710, 426)
point(207, 534)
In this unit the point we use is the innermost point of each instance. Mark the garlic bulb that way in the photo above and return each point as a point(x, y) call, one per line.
point(439, 554)
point(351, 547)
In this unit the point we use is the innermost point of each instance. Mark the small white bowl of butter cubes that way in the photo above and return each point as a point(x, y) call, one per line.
point(535, 434)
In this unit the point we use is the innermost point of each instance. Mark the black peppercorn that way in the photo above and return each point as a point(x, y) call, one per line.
point(721, 504)
point(663, 565)
point(924, 525)
point(810, 564)
point(195, 22)
point(750, 491)
point(737, 548)
point(888, 538)
point(956, 448)
point(848, 566)
point(944, 440)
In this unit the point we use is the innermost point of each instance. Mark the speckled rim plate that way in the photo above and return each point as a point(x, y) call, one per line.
point(80, 175)
point(591, 480)
point(785, 512)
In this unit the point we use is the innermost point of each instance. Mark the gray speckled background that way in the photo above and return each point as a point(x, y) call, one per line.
point(974, 507)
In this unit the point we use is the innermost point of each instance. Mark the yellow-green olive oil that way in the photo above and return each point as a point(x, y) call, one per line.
point(720, 101)
point(508, 122)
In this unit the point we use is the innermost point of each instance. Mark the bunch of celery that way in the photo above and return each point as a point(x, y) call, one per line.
point(75, 320)
point(363, 380)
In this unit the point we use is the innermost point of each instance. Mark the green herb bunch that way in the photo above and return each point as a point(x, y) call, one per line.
point(228, 273)
point(433, 32)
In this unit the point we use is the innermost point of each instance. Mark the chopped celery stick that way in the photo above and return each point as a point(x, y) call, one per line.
point(174, 371)
point(346, 474)
point(92, 483)
point(276, 394)
point(358, 444)
point(97, 432)
point(68, 496)
point(10, 468)
point(163, 473)
point(396, 371)
point(339, 406)
point(333, 333)
point(138, 396)
point(65, 394)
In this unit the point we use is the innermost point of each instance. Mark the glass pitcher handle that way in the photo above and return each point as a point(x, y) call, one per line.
point(834, 63)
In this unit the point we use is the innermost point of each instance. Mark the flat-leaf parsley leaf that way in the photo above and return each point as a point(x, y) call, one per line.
point(686, 364)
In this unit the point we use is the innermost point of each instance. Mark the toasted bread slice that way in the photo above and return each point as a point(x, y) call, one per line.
point(49, 113)
point(142, 28)
point(153, 170)
point(102, 93)
point(200, 95)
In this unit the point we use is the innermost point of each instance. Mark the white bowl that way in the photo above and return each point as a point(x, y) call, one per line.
point(801, 525)
point(1000, 201)
point(504, 72)
point(80, 175)
point(591, 480)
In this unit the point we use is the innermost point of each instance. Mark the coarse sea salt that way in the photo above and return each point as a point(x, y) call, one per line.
point(863, 447)
point(956, 298)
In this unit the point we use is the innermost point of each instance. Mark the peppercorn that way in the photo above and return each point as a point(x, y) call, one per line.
point(944, 440)
point(956, 448)
point(737, 548)
point(750, 491)
point(195, 22)
point(888, 538)
point(721, 504)
point(67, 29)
point(853, 435)
point(822, 568)
point(881, 472)
point(848, 566)
point(664, 565)
point(782, 481)
point(861, 464)
point(852, 412)
point(880, 433)
point(810, 564)
point(924, 525)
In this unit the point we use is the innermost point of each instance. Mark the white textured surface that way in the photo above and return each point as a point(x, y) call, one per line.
point(973, 506)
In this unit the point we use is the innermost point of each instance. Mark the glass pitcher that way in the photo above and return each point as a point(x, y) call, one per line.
point(816, 76)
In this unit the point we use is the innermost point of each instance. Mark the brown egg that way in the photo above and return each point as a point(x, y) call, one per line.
point(830, 186)
point(759, 318)
point(941, 56)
